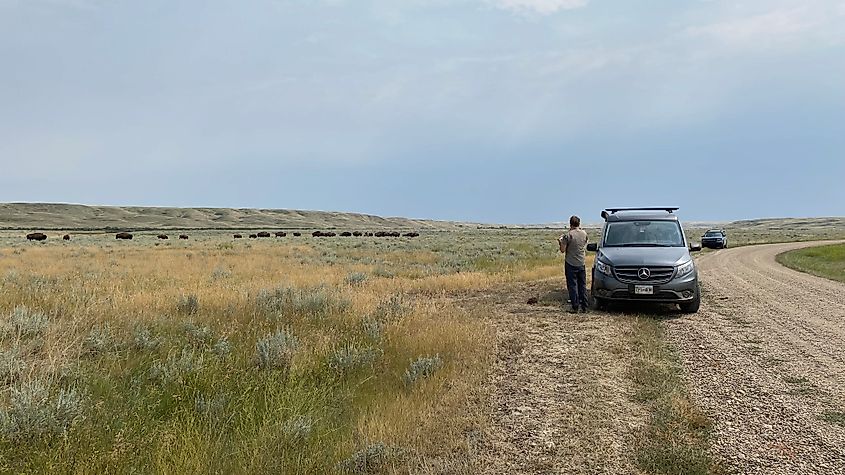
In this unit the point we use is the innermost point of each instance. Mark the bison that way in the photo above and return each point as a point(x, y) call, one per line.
point(253, 236)
point(123, 236)
point(183, 236)
point(263, 234)
point(281, 234)
point(346, 234)
point(36, 237)
point(412, 235)
point(237, 236)
point(317, 234)
point(357, 234)
point(66, 237)
point(297, 234)
point(163, 236)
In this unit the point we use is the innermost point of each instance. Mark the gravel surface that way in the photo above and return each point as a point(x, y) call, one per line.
point(765, 359)
point(560, 401)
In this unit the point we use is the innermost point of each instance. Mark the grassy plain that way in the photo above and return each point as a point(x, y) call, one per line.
point(288, 355)
point(823, 261)
point(282, 355)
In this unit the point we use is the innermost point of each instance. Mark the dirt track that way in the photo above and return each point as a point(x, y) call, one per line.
point(765, 359)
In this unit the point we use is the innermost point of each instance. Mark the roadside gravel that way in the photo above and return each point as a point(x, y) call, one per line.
point(765, 359)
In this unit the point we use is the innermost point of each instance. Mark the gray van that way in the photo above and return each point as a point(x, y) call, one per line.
point(643, 255)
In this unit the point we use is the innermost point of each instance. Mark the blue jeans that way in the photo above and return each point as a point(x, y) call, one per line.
point(576, 282)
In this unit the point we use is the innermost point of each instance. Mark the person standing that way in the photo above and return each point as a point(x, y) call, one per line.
point(574, 245)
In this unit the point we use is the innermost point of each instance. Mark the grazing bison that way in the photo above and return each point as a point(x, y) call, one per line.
point(66, 237)
point(238, 236)
point(381, 234)
point(346, 234)
point(317, 234)
point(412, 235)
point(281, 234)
point(36, 237)
point(183, 236)
point(253, 236)
point(263, 234)
point(163, 236)
point(357, 234)
point(123, 236)
point(297, 234)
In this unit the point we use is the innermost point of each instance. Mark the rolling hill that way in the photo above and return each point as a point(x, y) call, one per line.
point(45, 216)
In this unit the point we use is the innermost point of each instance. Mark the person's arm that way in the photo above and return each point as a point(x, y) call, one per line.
point(562, 242)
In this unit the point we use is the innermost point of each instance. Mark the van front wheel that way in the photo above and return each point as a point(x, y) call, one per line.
point(693, 305)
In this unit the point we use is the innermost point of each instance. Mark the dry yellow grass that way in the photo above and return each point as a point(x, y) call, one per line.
point(191, 297)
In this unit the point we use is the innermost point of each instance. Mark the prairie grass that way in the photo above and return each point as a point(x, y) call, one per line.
point(274, 356)
point(823, 261)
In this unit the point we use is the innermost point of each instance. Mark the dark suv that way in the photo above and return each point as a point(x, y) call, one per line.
point(715, 239)
point(643, 255)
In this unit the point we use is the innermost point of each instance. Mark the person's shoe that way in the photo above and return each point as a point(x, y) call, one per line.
point(585, 310)
point(573, 310)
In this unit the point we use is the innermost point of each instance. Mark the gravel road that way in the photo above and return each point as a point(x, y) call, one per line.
point(560, 400)
point(765, 358)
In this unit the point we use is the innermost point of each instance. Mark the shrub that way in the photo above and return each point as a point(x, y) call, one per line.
point(276, 351)
point(383, 273)
point(220, 272)
point(375, 458)
point(36, 414)
point(176, 369)
point(187, 304)
point(210, 405)
point(350, 357)
point(198, 336)
point(12, 365)
point(99, 340)
point(356, 278)
point(422, 368)
point(142, 339)
point(315, 303)
point(373, 329)
point(25, 323)
point(222, 348)
point(391, 309)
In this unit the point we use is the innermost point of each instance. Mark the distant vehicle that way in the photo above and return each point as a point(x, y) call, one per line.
point(715, 239)
point(643, 255)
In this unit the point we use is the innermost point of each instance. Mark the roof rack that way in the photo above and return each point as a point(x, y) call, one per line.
point(668, 209)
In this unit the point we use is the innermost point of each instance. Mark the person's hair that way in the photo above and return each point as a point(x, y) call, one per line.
point(575, 221)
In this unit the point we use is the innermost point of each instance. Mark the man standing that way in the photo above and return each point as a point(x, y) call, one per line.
point(574, 245)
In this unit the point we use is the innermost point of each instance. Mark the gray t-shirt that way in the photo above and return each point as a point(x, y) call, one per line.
point(576, 247)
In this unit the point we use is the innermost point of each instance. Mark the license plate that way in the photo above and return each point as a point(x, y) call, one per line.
point(644, 289)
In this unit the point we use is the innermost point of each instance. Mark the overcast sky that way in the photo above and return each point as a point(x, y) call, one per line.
point(510, 111)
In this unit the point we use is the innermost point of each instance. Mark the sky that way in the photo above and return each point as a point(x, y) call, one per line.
point(498, 111)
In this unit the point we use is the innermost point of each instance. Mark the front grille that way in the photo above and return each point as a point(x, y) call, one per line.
point(631, 275)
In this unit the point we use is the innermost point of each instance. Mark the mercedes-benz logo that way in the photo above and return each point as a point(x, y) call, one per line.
point(644, 273)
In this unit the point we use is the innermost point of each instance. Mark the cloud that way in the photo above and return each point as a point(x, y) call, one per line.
point(777, 24)
point(543, 7)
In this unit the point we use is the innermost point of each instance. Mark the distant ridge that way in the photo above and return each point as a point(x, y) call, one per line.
point(47, 216)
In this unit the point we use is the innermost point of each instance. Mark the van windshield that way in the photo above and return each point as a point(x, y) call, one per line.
point(644, 234)
point(713, 234)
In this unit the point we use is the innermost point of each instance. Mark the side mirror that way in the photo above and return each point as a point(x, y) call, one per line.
point(694, 247)
point(592, 247)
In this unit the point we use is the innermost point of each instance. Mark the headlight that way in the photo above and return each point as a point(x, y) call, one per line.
point(605, 269)
point(684, 269)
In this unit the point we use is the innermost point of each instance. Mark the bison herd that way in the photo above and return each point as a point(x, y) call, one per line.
point(262, 234)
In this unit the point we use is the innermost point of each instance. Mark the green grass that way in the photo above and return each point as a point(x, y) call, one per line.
point(834, 417)
point(676, 437)
point(823, 261)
